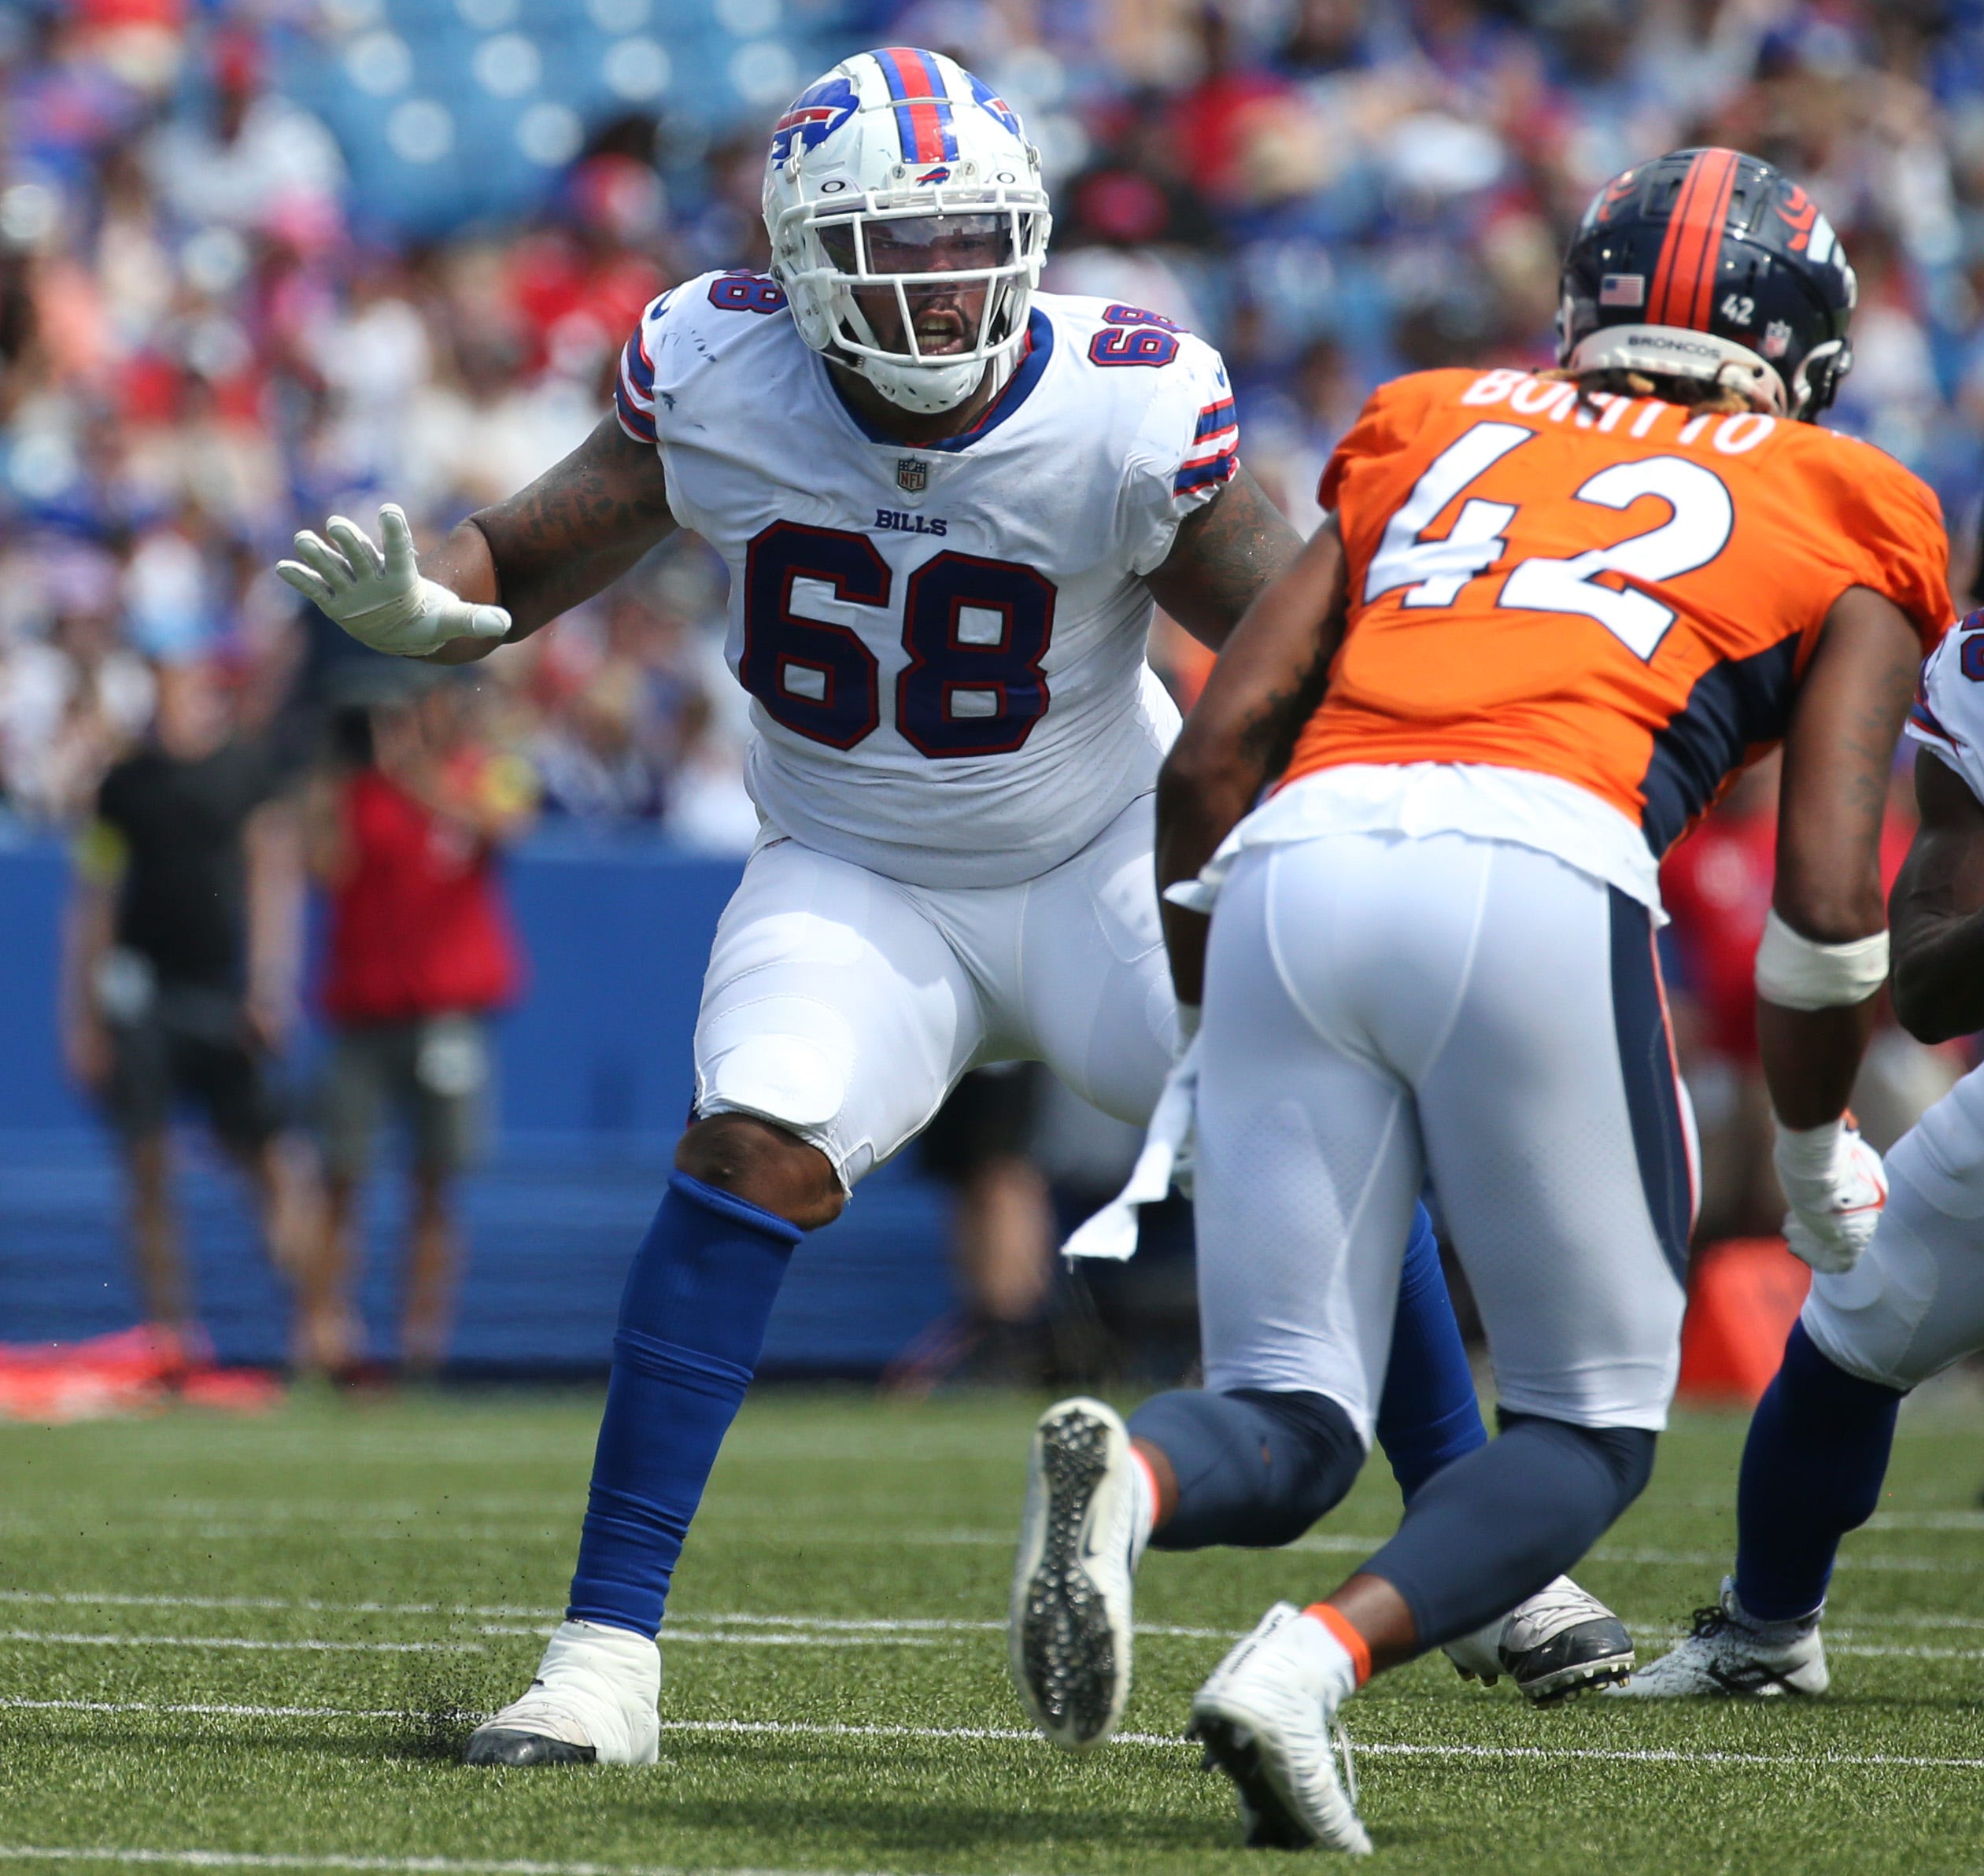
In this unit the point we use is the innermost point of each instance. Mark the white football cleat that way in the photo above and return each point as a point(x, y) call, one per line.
point(1068, 1631)
point(593, 1702)
point(1730, 1654)
point(1560, 1643)
point(1267, 1719)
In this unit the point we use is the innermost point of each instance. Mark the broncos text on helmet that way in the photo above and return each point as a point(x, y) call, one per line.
point(901, 176)
point(1712, 265)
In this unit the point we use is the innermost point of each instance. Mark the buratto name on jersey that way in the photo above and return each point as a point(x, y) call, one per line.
point(944, 645)
point(1621, 592)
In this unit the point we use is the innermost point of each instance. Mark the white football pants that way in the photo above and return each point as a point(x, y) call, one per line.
point(1379, 1008)
point(843, 1005)
point(1915, 1301)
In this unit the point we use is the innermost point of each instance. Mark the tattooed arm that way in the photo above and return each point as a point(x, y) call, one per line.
point(1243, 729)
point(1837, 759)
point(570, 534)
point(1222, 557)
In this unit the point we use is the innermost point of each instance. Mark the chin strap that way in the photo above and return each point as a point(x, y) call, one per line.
point(999, 372)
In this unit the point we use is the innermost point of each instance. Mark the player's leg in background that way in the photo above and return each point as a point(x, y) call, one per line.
point(231, 1076)
point(1819, 1443)
point(451, 1097)
point(835, 1018)
point(139, 1100)
point(357, 1072)
point(1001, 1236)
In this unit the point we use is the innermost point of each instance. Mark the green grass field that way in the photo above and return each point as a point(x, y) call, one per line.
point(260, 1645)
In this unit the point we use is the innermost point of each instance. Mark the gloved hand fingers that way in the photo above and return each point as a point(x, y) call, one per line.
point(310, 585)
point(325, 561)
point(401, 562)
point(357, 546)
point(487, 622)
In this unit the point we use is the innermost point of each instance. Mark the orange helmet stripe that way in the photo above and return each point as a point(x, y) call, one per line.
point(1684, 285)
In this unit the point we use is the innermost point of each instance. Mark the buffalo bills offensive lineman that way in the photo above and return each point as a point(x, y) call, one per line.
point(946, 503)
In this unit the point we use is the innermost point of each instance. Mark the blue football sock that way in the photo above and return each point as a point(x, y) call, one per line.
point(1495, 1526)
point(692, 1320)
point(1427, 1415)
point(1813, 1468)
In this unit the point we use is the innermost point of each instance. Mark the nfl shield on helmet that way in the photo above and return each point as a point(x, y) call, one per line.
point(904, 151)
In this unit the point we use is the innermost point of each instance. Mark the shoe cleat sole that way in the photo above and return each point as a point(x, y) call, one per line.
point(1067, 1648)
point(1232, 1748)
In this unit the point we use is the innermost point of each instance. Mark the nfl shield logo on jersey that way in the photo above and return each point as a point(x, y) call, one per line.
point(912, 474)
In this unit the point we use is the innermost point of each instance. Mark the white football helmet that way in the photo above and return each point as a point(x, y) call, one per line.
point(900, 173)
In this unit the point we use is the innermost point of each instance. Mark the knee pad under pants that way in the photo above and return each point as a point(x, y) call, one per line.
point(1254, 1468)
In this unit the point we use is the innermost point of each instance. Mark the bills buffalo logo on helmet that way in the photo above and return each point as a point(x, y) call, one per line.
point(985, 95)
point(815, 115)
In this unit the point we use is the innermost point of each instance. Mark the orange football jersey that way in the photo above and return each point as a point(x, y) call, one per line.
point(1622, 593)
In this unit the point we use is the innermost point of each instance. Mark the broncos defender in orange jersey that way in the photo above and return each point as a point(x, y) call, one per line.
point(1547, 619)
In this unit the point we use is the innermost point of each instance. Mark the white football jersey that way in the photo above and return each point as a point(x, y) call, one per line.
point(944, 645)
point(1945, 1153)
point(1948, 714)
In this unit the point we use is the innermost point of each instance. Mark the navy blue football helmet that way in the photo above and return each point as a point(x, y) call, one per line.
point(1710, 264)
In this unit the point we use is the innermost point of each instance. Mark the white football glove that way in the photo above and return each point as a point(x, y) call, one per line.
point(1836, 1185)
point(380, 598)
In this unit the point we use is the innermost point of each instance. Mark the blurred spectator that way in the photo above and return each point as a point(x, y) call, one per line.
point(181, 952)
point(246, 278)
point(406, 835)
point(254, 159)
point(1003, 1235)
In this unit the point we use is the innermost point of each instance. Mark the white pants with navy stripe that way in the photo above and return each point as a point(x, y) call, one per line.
point(844, 1005)
point(1379, 1009)
point(1915, 1301)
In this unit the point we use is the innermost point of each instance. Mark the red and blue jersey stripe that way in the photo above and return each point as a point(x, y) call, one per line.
point(634, 390)
point(1925, 722)
point(1214, 455)
point(923, 118)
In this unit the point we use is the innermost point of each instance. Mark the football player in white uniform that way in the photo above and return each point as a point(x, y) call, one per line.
point(946, 503)
point(1871, 1331)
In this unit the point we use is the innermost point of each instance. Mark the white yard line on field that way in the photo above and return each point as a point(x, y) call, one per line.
point(118, 1599)
point(781, 1729)
point(311, 1646)
point(222, 1709)
point(757, 1630)
point(333, 1860)
point(751, 1638)
point(702, 1627)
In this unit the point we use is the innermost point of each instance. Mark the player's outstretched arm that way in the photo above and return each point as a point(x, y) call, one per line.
point(505, 571)
point(1824, 955)
point(1837, 759)
point(1937, 911)
point(1241, 732)
point(1223, 556)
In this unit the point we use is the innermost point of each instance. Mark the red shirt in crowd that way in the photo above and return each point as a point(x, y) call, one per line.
point(1717, 885)
point(418, 924)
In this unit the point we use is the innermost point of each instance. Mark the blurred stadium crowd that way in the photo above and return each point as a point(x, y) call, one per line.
point(265, 260)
